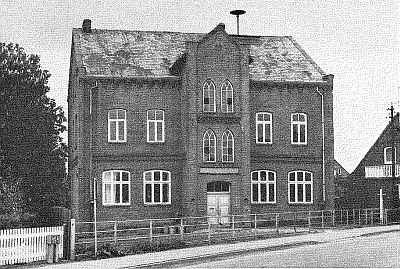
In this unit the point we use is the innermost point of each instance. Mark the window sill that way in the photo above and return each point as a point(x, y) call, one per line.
point(161, 204)
point(118, 205)
point(263, 143)
point(155, 143)
point(263, 203)
point(300, 203)
point(116, 142)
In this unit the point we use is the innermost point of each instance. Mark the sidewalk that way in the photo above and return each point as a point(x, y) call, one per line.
point(191, 254)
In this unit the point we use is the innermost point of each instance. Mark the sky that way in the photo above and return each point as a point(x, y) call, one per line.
point(356, 41)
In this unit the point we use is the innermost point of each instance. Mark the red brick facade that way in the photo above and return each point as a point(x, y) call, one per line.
point(218, 57)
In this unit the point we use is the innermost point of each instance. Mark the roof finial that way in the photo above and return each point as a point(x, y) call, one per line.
point(237, 13)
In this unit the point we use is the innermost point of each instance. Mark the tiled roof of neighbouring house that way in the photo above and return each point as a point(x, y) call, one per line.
point(141, 53)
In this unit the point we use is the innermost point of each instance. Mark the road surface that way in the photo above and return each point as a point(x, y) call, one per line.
point(381, 250)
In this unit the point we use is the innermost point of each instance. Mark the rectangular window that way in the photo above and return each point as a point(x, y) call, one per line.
point(117, 125)
point(299, 128)
point(263, 186)
point(300, 187)
point(155, 126)
point(157, 187)
point(388, 155)
point(115, 190)
point(263, 128)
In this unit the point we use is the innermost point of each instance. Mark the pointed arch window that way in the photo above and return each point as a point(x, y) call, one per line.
point(227, 97)
point(227, 146)
point(209, 144)
point(209, 96)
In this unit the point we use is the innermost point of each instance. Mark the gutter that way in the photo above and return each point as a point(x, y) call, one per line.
point(323, 145)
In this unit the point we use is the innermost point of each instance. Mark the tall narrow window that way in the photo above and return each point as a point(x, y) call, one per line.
point(299, 129)
point(155, 126)
point(209, 146)
point(116, 187)
point(226, 97)
point(157, 187)
point(300, 187)
point(209, 96)
point(263, 186)
point(227, 146)
point(117, 125)
point(263, 128)
point(388, 155)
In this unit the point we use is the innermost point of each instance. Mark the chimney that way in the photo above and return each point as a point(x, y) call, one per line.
point(87, 26)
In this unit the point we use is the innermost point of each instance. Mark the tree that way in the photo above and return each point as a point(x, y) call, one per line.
point(32, 154)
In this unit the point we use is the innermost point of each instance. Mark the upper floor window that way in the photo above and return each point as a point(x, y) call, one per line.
point(263, 128)
point(209, 146)
point(116, 125)
point(155, 126)
point(299, 128)
point(300, 187)
point(116, 187)
point(388, 155)
point(263, 186)
point(226, 97)
point(157, 187)
point(209, 96)
point(227, 146)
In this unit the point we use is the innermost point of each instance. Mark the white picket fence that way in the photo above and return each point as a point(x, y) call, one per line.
point(27, 244)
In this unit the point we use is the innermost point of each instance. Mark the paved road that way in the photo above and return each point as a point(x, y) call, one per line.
point(381, 250)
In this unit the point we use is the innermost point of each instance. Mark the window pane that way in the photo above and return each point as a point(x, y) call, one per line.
point(125, 176)
point(206, 102)
point(295, 117)
point(302, 133)
point(308, 176)
point(159, 115)
point(308, 193)
point(292, 193)
point(260, 133)
point(300, 193)
point(271, 193)
point(157, 176)
point(225, 186)
point(121, 114)
point(302, 117)
point(291, 176)
point(267, 117)
point(112, 114)
point(263, 176)
point(117, 176)
point(300, 176)
point(151, 115)
point(165, 176)
point(254, 176)
point(148, 193)
point(159, 131)
point(107, 193)
point(295, 134)
point(113, 134)
point(268, 133)
point(147, 176)
point(271, 176)
point(165, 193)
point(157, 193)
point(255, 192)
point(117, 189)
point(152, 131)
point(121, 130)
point(260, 117)
point(263, 192)
point(125, 193)
point(107, 176)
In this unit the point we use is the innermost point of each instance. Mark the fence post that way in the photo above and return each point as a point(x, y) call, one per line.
point(72, 240)
point(366, 217)
point(255, 223)
point(347, 217)
point(115, 232)
point(322, 219)
point(294, 220)
point(309, 221)
point(359, 217)
point(182, 228)
point(233, 226)
point(333, 218)
point(277, 223)
point(354, 218)
point(209, 232)
point(151, 233)
point(372, 216)
point(341, 216)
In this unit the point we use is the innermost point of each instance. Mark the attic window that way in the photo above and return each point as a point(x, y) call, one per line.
point(388, 155)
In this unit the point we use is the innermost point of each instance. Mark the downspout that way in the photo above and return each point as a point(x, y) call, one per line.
point(323, 146)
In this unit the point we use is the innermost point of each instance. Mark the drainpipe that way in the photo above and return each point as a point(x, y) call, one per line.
point(323, 145)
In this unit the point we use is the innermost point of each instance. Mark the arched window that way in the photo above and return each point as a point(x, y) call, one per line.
point(155, 126)
point(209, 146)
point(209, 96)
point(226, 97)
point(388, 155)
point(299, 129)
point(117, 125)
point(300, 187)
point(263, 186)
point(116, 187)
point(227, 146)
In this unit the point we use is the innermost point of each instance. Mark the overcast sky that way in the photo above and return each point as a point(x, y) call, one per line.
point(357, 41)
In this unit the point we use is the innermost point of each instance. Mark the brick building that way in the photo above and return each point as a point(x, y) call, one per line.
point(374, 172)
point(193, 124)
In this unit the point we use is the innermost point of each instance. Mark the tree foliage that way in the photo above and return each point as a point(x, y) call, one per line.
point(32, 154)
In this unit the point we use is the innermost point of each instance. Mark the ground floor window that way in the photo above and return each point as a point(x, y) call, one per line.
point(157, 187)
point(263, 186)
point(300, 187)
point(116, 187)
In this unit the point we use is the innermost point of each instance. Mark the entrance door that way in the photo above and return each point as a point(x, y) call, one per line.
point(218, 202)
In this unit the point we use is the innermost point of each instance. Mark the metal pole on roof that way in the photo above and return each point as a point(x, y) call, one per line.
point(392, 129)
point(237, 13)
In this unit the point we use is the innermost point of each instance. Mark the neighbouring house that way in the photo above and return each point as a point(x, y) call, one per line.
point(340, 178)
point(181, 124)
point(375, 172)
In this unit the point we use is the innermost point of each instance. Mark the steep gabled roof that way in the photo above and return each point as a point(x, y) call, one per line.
point(150, 54)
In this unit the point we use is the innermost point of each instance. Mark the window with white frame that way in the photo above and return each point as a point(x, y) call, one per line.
point(157, 187)
point(388, 155)
point(209, 145)
point(116, 187)
point(209, 96)
point(299, 128)
point(226, 97)
point(227, 146)
point(155, 126)
point(300, 187)
point(117, 125)
point(263, 128)
point(263, 186)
